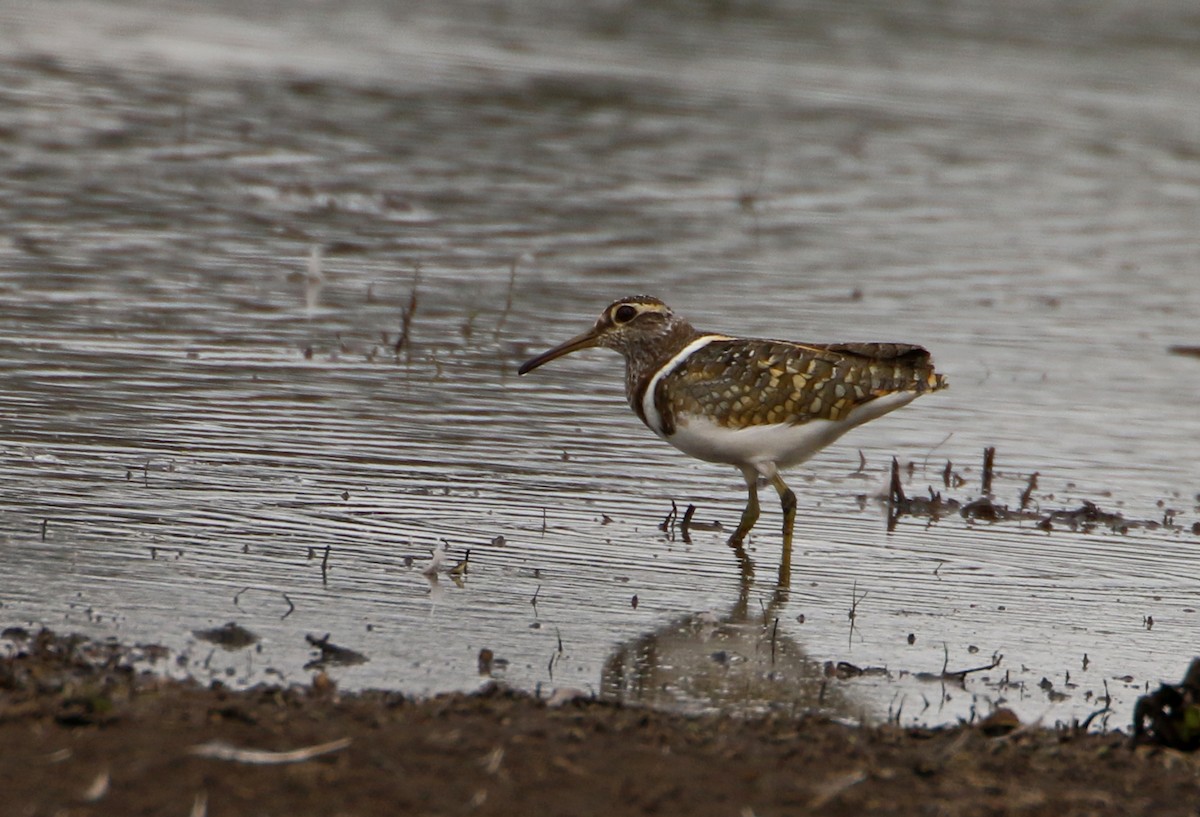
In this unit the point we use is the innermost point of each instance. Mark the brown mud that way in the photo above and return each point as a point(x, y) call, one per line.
point(85, 731)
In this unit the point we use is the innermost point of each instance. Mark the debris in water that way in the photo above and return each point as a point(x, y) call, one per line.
point(332, 655)
point(843, 670)
point(508, 300)
point(1054, 695)
point(687, 523)
point(668, 523)
point(1029, 489)
point(861, 471)
point(314, 279)
point(984, 508)
point(989, 459)
point(895, 499)
point(853, 613)
point(404, 339)
point(231, 636)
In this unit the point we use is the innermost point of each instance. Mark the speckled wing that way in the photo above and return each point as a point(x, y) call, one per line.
point(741, 382)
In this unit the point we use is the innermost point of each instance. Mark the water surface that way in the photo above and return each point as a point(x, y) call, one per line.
point(192, 433)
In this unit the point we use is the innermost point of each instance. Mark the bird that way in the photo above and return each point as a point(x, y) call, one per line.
point(757, 404)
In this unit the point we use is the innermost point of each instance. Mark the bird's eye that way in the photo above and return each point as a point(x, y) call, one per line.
point(624, 313)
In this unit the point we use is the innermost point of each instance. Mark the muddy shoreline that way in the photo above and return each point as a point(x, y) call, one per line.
point(85, 733)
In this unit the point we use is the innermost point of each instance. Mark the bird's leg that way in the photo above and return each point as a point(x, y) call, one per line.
point(788, 500)
point(750, 514)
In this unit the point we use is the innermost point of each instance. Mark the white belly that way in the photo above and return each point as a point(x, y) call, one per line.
point(780, 445)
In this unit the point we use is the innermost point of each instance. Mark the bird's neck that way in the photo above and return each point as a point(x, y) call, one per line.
point(643, 361)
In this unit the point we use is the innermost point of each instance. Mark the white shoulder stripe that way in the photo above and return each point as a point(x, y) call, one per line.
point(653, 418)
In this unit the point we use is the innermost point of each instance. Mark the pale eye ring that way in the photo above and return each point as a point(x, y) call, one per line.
point(624, 313)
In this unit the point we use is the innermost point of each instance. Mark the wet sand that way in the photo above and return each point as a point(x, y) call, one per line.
point(85, 734)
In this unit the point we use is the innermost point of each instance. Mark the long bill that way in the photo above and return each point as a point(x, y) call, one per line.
point(585, 341)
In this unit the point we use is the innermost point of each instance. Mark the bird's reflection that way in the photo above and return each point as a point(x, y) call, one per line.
point(741, 661)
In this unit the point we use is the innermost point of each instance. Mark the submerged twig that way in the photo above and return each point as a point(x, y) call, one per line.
point(404, 340)
point(686, 524)
point(853, 614)
point(1029, 489)
point(668, 523)
point(896, 498)
point(862, 464)
point(989, 459)
point(961, 674)
point(332, 654)
point(1086, 722)
point(508, 300)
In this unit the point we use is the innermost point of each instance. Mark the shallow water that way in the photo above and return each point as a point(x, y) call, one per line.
point(191, 434)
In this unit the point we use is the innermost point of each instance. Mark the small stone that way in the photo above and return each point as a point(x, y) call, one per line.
point(1000, 722)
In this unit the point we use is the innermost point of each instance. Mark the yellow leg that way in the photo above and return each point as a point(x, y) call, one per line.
point(788, 500)
point(750, 514)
